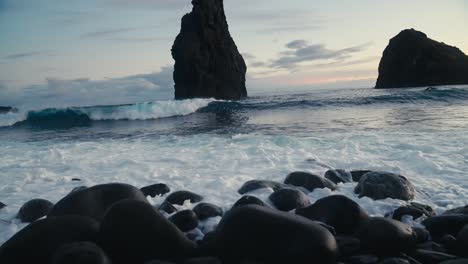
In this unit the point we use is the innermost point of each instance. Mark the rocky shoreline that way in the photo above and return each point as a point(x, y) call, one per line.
point(115, 223)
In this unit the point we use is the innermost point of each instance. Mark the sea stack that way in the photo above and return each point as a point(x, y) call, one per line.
point(207, 61)
point(412, 60)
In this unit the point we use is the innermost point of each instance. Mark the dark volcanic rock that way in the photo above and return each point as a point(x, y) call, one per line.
point(38, 241)
point(259, 233)
point(357, 174)
point(134, 232)
point(80, 253)
point(94, 201)
point(207, 210)
point(348, 245)
point(461, 210)
point(431, 257)
point(260, 184)
point(155, 190)
point(167, 207)
point(309, 181)
point(412, 59)
point(185, 220)
point(342, 213)
point(34, 209)
point(287, 199)
point(415, 210)
point(180, 197)
point(2, 205)
point(338, 176)
point(382, 185)
point(442, 225)
point(247, 199)
point(386, 236)
point(207, 62)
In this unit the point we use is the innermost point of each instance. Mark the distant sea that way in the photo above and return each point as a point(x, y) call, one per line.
point(212, 147)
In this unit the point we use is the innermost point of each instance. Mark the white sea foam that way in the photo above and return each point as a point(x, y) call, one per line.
point(216, 166)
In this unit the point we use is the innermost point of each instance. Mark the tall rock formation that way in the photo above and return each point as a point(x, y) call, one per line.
point(207, 62)
point(412, 59)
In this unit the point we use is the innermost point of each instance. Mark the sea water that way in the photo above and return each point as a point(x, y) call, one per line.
point(212, 147)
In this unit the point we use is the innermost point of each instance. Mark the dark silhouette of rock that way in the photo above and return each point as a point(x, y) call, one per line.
point(167, 207)
point(260, 184)
point(80, 253)
point(338, 211)
point(348, 245)
point(415, 210)
point(94, 201)
point(2, 205)
point(412, 59)
point(442, 225)
point(155, 190)
point(7, 109)
point(357, 174)
point(461, 210)
point(38, 241)
point(287, 199)
point(207, 210)
point(34, 209)
point(134, 232)
point(462, 242)
point(338, 176)
point(309, 181)
point(247, 199)
point(185, 220)
point(383, 185)
point(180, 197)
point(364, 259)
point(207, 62)
point(385, 236)
point(263, 234)
point(431, 257)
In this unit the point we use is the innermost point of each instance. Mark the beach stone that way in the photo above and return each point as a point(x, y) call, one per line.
point(34, 209)
point(383, 185)
point(259, 184)
point(202, 260)
point(94, 201)
point(80, 253)
point(394, 261)
point(2, 205)
point(207, 210)
point(431, 257)
point(167, 207)
point(247, 199)
point(363, 259)
point(422, 234)
point(37, 242)
point(155, 190)
point(180, 197)
point(416, 210)
point(134, 232)
point(357, 174)
point(385, 236)
point(207, 61)
point(462, 242)
point(287, 199)
point(461, 210)
point(309, 181)
point(441, 225)
point(455, 261)
point(338, 176)
point(263, 234)
point(185, 220)
point(348, 245)
point(339, 211)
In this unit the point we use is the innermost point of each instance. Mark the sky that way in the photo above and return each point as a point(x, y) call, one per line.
point(79, 52)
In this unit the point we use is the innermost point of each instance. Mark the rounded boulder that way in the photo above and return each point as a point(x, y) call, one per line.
point(383, 185)
point(248, 199)
point(287, 199)
point(207, 210)
point(263, 234)
point(134, 232)
point(180, 197)
point(309, 181)
point(34, 209)
point(80, 253)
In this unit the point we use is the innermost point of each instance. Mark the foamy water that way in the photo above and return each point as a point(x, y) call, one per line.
point(213, 152)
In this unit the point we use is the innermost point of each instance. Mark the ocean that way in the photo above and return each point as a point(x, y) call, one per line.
point(212, 147)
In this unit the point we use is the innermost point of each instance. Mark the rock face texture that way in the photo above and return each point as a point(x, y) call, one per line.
point(412, 59)
point(207, 62)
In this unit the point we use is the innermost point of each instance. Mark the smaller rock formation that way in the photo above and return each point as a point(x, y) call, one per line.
point(412, 59)
point(207, 62)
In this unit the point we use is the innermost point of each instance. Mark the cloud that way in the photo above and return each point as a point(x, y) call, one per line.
point(86, 92)
point(22, 55)
point(252, 61)
point(300, 51)
point(105, 33)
